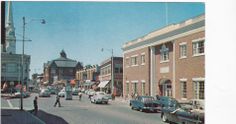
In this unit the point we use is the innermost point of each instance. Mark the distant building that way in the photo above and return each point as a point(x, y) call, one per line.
point(88, 73)
point(11, 63)
point(105, 75)
point(167, 62)
point(61, 68)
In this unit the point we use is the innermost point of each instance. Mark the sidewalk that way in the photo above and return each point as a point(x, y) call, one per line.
point(121, 100)
point(16, 116)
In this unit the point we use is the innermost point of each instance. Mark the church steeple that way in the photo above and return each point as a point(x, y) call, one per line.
point(10, 31)
point(9, 15)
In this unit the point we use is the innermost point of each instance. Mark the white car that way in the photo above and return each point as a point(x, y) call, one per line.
point(44, 93)
point(99, 97)
point(62, 93)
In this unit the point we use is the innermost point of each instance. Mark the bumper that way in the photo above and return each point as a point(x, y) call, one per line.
point(152, 108)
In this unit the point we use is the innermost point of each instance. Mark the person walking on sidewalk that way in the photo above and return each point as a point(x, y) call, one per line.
point(57, 101)
point(35, 105)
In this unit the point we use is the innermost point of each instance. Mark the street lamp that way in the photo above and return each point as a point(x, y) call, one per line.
point(22, 61)
point(112, 70)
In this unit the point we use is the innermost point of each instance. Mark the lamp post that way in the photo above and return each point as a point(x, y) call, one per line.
point(22, 58)
point(112, 70)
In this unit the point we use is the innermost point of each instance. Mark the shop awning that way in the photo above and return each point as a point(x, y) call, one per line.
point(103, 84)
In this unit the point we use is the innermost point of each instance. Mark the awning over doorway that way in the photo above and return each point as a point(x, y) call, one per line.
point(163, 81)
point(103, 84)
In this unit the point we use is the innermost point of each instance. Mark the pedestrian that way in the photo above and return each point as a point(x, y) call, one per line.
point(57, 101)
point(35, 105)
point(80, 96)
point(132, 95)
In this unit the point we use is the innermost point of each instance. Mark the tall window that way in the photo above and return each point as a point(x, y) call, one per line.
point(183, 85)
point(198, 89)
point(134, 61)
point(118, 68)
point(198, 47)
point(135, 87)
point(164, 53)
point(143, 88)
point(127, 88)
point(142, 59)
point(183, 51)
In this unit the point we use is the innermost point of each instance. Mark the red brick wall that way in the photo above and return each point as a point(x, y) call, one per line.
point(140, 72)
point(190, 67)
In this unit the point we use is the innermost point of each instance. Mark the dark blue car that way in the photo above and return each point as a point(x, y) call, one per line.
point(143, 103)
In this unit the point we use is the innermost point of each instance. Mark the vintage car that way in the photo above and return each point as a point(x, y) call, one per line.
point(180, 114)
point(165, 101)
point(99, 97)
point(142, 103)
point(62, 93)
point(44, 93)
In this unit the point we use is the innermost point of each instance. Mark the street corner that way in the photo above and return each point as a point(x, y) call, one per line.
point(48, 118)
point(13, 116)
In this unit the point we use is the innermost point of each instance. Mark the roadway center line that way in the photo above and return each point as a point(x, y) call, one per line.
point(9, 103)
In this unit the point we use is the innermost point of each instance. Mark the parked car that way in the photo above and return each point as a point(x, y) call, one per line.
point(91, 93)
point(142, 103)
point(44, 93)
point(177, 113)
point(62, 93)
point(83, 90)
point(24, 94)
point(165, 101)
point(52, 90)
point(75, 91)
point(99, 97)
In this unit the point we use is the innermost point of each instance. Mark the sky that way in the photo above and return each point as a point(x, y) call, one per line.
point(82, 29)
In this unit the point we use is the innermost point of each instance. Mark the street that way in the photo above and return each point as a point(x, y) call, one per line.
point(84, 112)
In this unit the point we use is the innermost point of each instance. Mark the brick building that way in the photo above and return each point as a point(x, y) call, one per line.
point(106, 75)
point(168, 62)
point(60, 69)
point(88, 73)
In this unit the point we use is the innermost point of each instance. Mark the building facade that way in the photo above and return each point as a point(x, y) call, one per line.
point(11, 62)
point(167, 62)
point(60, 69)
point(88, 73)
point(105, 77)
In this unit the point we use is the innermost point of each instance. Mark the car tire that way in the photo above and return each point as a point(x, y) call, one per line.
point(163, 117)
point(132, 107)
point(141, 110)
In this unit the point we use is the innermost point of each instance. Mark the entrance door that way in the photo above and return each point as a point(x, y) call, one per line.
point(165, 87)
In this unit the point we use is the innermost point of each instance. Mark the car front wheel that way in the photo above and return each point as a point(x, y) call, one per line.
point(164, 118)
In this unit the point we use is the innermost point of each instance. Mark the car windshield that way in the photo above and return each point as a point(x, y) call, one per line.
point(101, 93)
point(148, 99)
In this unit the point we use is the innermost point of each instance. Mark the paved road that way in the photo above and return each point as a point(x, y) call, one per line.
point(84, 112)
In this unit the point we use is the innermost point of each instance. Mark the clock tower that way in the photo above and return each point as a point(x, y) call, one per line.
point(10, 31)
